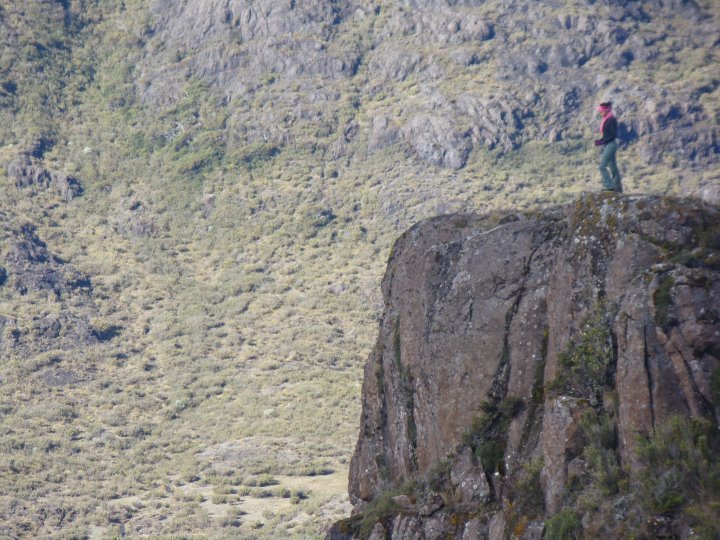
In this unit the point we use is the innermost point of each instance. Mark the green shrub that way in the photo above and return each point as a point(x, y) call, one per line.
point(586, 362)
point(529, 495)
point(492, 456)
point(600, 452)
point(715, 387)
point(232, 518)
point(681, 473)
point(265, 480)
point(564, 525)
point(379, 509)
point(487, 436)
point(282, 492)
point(439, 475)
point(662, 299)
point(219, 499)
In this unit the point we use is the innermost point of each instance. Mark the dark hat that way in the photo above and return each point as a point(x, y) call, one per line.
point(605, 105)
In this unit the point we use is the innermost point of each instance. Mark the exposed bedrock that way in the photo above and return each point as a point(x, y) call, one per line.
point(503, 334)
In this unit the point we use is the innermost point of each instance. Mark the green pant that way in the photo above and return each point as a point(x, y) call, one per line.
point(611, 179)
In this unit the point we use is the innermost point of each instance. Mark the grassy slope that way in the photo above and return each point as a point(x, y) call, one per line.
point(249, 325)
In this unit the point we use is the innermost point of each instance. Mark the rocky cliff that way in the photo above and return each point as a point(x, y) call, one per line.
point(534, 371)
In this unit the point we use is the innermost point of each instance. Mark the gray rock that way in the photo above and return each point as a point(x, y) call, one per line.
point(474, 305)
point(378, 532)
point(437, 141)
point(33, 270)
point(208, 205)
point(68, 186)
point(439, 527)
point(276, 52)
point(383, 133)
point(464, 57)
point(60, 377)
point(496, 529)
point(577, 469)
point(9, 333)
point(429, 503)
point(475, 28)
point(561, 437)
point(229, 45)
point(403, 500)
point(27, 172)
point(495, 122)
point(475, 530)
point(407, 527)
point(711, 194)
point(463, 307)
point(32, 267)
point(396, 65)
point(468, 476)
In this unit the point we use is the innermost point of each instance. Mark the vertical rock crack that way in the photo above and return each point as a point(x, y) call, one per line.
point(646, 361)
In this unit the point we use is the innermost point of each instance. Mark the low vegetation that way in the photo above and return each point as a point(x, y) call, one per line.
point(487, 436)
point(682, 474)
point(565, 525)
point(677, 482)
point(235, 282)
point(587, 362)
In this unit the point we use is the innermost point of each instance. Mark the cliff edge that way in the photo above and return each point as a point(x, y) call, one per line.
point(542, 372)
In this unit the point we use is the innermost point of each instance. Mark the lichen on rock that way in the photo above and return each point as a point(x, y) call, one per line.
point(536, 353)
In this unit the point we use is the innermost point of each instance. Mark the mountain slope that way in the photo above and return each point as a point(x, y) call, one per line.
point(243, 169)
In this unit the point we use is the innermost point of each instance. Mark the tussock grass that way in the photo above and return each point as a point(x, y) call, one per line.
point(249, 321)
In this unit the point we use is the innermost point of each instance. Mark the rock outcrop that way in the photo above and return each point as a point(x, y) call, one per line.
point(31, 270)
point(29, 172)
point(516, 349)
point(32, 267)
point(475, 69)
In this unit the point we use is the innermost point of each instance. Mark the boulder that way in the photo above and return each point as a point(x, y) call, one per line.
point(488, 319)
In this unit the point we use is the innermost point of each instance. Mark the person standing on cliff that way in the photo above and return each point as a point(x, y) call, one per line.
point(608, 165)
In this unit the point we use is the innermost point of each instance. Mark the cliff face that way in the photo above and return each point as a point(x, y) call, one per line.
point(509, 343)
